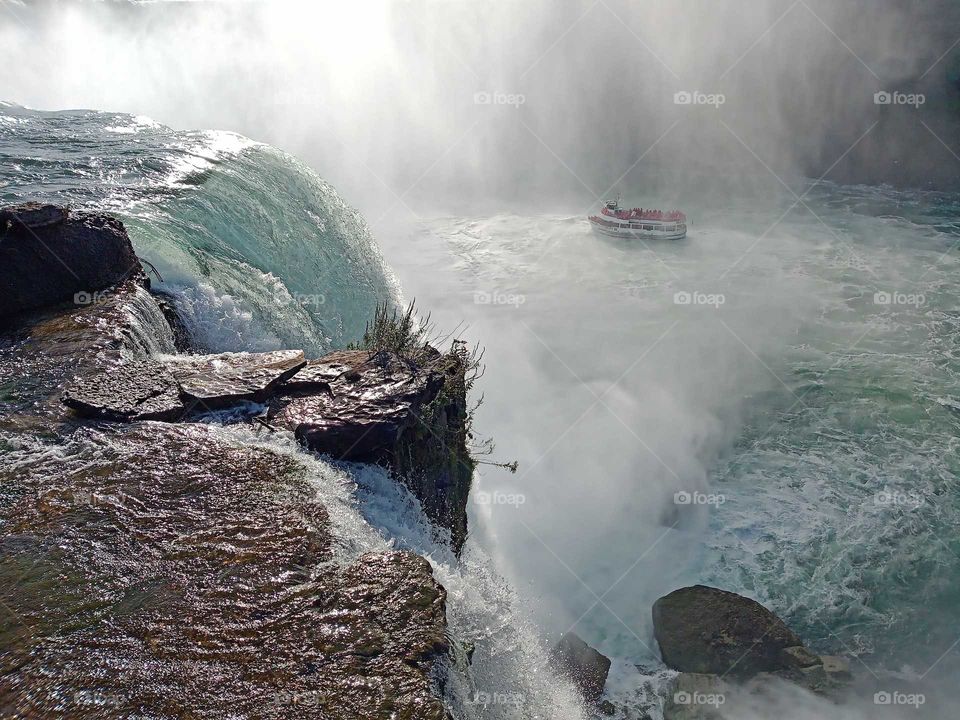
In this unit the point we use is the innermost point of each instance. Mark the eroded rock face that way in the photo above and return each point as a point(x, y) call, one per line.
point(49, 256)
point(586, 667)
point(137, 390)
point(31, 215)
point(385, 409)
point(371, 401)
point(212, 382)
point(705, 630)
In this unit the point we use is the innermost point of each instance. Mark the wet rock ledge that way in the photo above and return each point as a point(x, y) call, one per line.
point(150, 566)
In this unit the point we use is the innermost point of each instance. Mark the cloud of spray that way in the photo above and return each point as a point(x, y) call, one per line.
point(436, 101)
point(438, 104)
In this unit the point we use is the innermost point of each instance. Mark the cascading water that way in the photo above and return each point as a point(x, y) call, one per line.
point(806, 375)
point(782, 409)
point(260, 252)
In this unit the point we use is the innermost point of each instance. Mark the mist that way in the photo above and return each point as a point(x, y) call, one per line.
point(474, 137)
point(410, 106)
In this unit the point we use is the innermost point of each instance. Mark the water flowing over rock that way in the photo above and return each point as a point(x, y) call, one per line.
point(385, 409)
point(169, 569)
point(586, 667)
point(49, 255)
point(161, 566)
point(44, 352)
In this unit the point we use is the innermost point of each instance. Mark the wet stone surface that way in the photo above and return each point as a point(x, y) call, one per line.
point(163, 571)
point(211, 382)
point(137, 390)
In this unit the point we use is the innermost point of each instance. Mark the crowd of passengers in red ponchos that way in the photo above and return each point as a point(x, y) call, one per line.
point(641, 214)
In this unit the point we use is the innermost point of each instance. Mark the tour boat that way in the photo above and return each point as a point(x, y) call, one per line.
point(638, 223)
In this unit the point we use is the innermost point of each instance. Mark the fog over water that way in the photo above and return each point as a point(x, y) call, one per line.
point(381, 96)
point(751, 365)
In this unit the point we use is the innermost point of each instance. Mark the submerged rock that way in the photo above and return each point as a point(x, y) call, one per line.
point(49, 256)
point(586, 667)
point(385, 409)
point(705, 630)
point(137, 390)
point(213, 382)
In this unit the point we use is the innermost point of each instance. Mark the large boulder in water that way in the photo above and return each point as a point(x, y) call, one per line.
point(49, 255)
point(705, 630)
point(586, 667)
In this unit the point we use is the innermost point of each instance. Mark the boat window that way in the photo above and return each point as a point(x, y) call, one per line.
point(648, 227)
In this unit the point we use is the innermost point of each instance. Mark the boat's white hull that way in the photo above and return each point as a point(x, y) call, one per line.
point(626, 231)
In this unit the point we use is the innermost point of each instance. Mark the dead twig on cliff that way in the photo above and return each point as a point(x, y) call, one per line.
point(152, 267)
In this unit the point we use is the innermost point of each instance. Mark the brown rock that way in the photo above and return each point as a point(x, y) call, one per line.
point(48, 256)
point(317, 375)
point(384, 409)
point(139, 390)
point(705, 630)
point(31, 215)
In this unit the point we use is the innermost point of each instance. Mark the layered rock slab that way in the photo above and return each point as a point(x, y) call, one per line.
point(369, 405)
point(137, 390)
point(214, 382)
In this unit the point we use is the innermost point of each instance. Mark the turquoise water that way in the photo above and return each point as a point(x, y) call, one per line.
point(244, 234)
